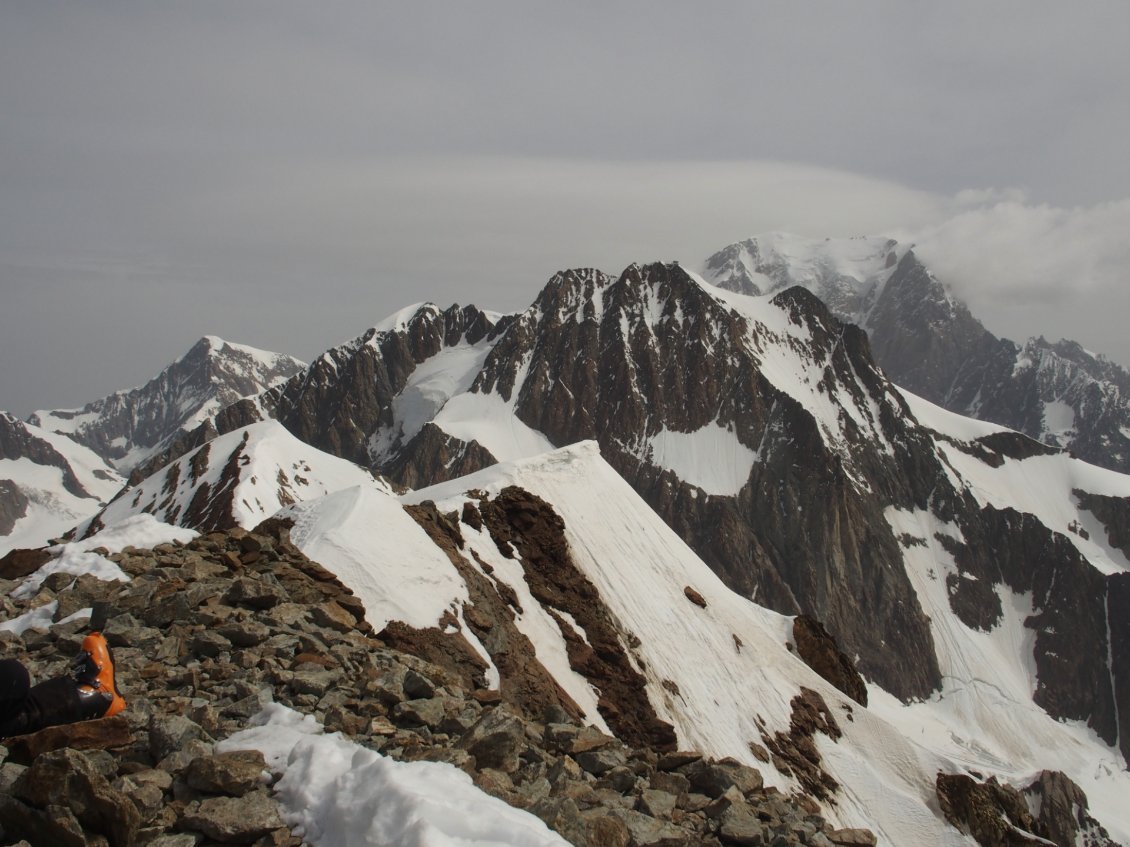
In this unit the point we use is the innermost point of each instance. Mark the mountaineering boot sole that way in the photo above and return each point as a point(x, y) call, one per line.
point(94, 671)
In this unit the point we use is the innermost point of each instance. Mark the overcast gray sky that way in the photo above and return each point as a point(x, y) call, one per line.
point(285, 174)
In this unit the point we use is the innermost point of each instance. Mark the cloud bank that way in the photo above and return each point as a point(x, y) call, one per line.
point(298, 253)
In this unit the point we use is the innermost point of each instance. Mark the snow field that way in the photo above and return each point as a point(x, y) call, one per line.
point(711, 458)
point(431, 385)
point(984, 718)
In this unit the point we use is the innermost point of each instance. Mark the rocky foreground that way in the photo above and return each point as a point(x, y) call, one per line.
point(206, 633)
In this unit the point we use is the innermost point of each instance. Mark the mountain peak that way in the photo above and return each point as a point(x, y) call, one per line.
point(127, 427)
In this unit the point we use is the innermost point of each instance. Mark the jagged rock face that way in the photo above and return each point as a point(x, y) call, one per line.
point(928, 342)
point(344, 402)
point(624, 361)
point(130, 426)
point(1052, 809)
point(820, 652)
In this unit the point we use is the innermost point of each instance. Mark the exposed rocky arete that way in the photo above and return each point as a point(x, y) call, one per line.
point(206, 633)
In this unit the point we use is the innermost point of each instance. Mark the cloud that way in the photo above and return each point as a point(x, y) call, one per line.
point(296, 253)
point(1010, 248)
point(1027, 269)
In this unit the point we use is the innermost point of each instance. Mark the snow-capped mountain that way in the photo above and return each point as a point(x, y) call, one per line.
point(762, 431)
point(128, 427)
point(928, 341)
point(237, 479)
point(48, 483)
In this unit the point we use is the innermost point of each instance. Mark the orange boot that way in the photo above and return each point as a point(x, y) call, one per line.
point(94, 672)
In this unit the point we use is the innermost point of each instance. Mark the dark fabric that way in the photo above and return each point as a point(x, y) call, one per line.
point(15, 682)
point(28, 708)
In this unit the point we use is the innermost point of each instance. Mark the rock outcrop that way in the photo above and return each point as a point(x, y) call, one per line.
point(819, 650)
point(1052, 810)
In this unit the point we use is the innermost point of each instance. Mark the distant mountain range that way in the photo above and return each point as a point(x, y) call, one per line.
point(928, 342)
point(776, 428)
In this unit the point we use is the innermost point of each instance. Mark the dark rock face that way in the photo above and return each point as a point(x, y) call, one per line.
point(661, 353)
point(1063, 816)
point(994, 814)
point(345, 398)
point(517, 517)
point(525, 683)
point(816, 646)
point(1113, 512)
point(13, 505)
point(148, 419)
point(1072, 604)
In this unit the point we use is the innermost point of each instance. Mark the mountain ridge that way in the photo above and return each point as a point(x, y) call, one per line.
point(129, 426)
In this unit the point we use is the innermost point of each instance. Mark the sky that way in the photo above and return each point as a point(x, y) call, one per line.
point(285, 174)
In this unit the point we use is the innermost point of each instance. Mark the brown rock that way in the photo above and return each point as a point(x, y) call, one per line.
point(694, 597)
point(234, 820)
point(332, 616)
point(103, 734)
point(66, 778)
point(16, 564)
point(852, 837)
point(820, 652)
point(234, 773)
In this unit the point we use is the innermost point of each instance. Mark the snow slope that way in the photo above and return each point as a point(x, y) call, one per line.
point(52, 508)
point(641, 569)
point(363, 535)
